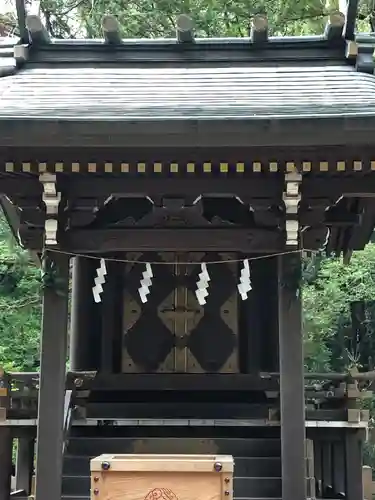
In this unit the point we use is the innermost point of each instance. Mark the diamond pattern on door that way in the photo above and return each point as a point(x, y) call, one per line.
point(172, 332)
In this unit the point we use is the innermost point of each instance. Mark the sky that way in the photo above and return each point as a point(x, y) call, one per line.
point(6, 6)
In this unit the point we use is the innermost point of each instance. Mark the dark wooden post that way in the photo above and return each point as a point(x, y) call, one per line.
point(353, 461)
point(268, 293)
point(259, 325)
point(25, 463)
point(292, 403)
point(111, 316)
point(327, 467)
point(6, 440)
point(338, 469)
point(50, 430)
point(85, 331)
point(318, 467)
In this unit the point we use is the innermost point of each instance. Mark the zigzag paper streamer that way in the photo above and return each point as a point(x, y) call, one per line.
point(244, 285)
point(202, 285)
point(146, 283)
point(97, 289)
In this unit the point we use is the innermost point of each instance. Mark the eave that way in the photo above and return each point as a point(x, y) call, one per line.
point(286, 132)
point(60, 95)
point(122, 119)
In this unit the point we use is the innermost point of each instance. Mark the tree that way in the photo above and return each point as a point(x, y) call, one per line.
point(327, 309)
point(156, 18)
point(20, 305)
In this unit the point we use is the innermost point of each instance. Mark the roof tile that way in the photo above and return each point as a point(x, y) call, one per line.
point(125, 94)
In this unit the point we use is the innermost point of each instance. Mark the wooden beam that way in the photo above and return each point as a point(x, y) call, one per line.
point(125, 240)
point(171, 409)
point(333, 187)
point(337, 219)
point(21, 186)
point(181, 382)
point(259, 187)
point(123, 133)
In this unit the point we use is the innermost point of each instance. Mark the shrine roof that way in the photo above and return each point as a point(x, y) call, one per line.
point(158, 88)
point(189, 93)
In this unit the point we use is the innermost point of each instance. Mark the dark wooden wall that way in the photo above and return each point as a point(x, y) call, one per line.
point(171, 332)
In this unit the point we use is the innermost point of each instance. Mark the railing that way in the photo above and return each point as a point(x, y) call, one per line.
point(368, 483)
point(18, 395)
point(5, 394)
point(324, 392)
point(328, 396)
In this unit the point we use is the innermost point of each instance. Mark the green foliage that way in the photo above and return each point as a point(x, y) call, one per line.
point(212, 17)
point(327, 298)
point(20, 305)
point(156, 18)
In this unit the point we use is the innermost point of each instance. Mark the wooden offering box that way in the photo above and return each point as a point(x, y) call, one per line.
point(162, 477)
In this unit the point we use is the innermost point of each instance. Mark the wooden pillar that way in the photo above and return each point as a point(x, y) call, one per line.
point(367, 482)
point(353, 463)
point(318, 467)
point(292, 403)
point(50, 428)
point(6, 442)
point(338, 469)
point(327, 468)
point(250, 329)
point(85, 331)
point(310, 469)
point(24, 464)
point(259, 325)
point(267, 308)
point(111, 318)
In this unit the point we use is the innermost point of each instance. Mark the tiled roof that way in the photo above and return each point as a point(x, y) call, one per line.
point(196, 93)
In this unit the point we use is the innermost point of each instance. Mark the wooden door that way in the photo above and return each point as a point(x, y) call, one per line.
point(172, 332)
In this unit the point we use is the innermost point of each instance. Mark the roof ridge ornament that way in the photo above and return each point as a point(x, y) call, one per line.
point(259, 29)
point(335, 25)
point(37, 30)
point(111, 30)
point(184, 29)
